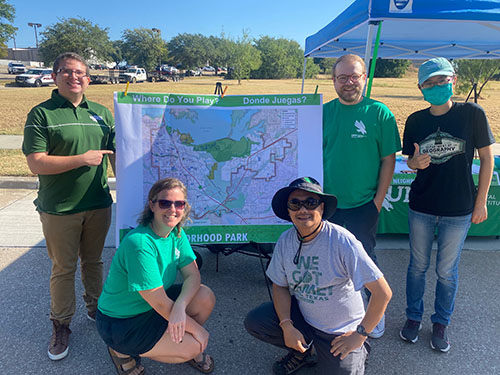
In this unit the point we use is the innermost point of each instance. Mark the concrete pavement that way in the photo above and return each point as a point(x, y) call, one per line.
point(239, 286)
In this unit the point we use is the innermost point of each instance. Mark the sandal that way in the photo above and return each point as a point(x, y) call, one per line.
point(125, 365)
point(202, 365)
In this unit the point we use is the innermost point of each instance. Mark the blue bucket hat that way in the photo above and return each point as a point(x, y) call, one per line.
point(438, 66)
point(309, 184)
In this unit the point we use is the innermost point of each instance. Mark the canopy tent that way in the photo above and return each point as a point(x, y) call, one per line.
point(412, 29)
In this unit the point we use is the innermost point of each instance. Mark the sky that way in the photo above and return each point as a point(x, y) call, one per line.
point(290, 19)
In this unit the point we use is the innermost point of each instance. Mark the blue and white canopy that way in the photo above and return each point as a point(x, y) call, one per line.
point(413, 29)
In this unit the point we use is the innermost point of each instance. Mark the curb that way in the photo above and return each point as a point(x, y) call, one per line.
point(32, 183)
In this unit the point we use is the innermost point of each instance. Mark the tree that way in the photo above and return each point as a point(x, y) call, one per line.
point(7, 31)
point(281, 58)
point(243, 57)
point(312, 69)
point(143, 47)
point(325, 64)
point(189, 50)
point(75, 35)
point(478, 72)
point(391, 68)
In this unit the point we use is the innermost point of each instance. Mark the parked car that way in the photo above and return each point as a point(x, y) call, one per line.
point(193, 72)
point(208, 69)
point(16, 68)
point(35, 77)
point(134, 75)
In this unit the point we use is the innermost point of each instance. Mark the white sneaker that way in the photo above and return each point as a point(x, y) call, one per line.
point(379, 330)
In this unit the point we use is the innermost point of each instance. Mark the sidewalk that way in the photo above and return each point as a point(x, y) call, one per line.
point(239, 286)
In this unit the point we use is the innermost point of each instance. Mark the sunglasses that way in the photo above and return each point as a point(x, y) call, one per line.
point(309, 204)
point(165, 203)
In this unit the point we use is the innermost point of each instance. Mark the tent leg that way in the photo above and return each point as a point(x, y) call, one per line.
point(368, 49)
point(303, 75)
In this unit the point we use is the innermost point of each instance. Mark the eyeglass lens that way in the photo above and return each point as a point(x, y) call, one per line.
point(310, 204)
point(345, 78)
point(69, 72)
point(165, 203)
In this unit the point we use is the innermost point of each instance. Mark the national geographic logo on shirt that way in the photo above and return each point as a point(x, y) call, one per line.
point(442, 147)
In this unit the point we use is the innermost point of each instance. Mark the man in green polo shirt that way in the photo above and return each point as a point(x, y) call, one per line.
point(67, 142)
point(360, 139)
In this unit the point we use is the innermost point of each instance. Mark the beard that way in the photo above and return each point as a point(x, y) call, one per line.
point(351, 96)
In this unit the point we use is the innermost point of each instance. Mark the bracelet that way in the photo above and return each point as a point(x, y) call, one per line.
point(284, 321)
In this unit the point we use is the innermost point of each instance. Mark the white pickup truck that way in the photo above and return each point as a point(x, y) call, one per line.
point(134, 75)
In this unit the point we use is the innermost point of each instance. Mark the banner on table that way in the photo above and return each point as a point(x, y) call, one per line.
point(232, 153)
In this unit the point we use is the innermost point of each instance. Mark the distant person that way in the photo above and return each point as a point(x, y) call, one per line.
point(142, 313)
point(318, 270)
point(440, 143)
point(360, 141)
point(67, 142)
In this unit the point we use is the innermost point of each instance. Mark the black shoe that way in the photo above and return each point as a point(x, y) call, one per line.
point(410, 331)
point(439, 339)
point(292, 362)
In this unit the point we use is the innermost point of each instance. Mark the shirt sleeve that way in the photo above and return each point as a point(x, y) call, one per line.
point(482, 132)
point(276, 269)
point(408, 147)
point(390, 141)
point(187, 255)
point(359, 267)
point(36, 138)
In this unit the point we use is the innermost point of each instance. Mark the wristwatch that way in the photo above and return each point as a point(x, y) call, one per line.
point(361, 330)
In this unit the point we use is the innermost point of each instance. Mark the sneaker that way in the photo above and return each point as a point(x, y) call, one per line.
point(439, 339)
point(59, 342)
point(292, 362)
point(91, 315)
point(410, 331)
point(379, 330)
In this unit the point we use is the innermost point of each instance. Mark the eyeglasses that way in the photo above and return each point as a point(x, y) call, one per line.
point(165, 203)
point(344, 78)
point(70, 72)
point(309, 204)
point(440, 82)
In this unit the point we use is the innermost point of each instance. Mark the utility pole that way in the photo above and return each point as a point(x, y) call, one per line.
point(158, 31)
point(35, 25)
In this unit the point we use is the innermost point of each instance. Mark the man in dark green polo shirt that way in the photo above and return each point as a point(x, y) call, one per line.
point(67, 142)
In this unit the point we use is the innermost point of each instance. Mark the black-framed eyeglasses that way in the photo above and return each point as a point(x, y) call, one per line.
point(165, 203)
point(309, 204)
point(70, 72)
point(344, 78)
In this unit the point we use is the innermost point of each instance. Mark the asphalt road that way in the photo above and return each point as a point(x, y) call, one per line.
point(239, 286)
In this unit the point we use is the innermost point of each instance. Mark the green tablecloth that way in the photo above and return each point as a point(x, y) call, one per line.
point(394, 214)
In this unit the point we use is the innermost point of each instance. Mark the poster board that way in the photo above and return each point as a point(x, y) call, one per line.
point(232, 153)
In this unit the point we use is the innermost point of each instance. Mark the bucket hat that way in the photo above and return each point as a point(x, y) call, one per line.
point(438, 66)
point(280, 199)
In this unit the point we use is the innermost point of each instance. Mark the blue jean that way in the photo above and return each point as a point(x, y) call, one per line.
point(451, 234)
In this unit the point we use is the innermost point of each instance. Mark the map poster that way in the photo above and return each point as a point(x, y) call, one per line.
point(232, 153)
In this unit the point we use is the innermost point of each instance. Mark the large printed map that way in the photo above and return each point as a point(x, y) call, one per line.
point(226, 158)
point(232, 153)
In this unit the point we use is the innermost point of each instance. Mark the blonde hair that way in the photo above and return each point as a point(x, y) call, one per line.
point(351, 58)
point(169, 183)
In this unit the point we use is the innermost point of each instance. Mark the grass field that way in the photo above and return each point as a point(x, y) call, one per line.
point(401, 95)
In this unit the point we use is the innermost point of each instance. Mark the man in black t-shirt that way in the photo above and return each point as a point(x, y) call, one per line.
point(440, 143)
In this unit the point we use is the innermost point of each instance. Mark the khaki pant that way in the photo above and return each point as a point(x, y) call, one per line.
point(68, 238)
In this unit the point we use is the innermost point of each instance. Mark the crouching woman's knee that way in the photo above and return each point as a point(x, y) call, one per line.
point(206, 298)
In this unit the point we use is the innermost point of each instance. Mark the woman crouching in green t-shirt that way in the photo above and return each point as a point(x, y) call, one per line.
point(141, 313)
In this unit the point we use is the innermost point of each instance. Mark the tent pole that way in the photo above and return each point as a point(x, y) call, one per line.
point(368, 48)
point(303, 74)
point(372, 67)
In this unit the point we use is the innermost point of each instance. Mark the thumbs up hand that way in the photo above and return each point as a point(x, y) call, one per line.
point(418, 160)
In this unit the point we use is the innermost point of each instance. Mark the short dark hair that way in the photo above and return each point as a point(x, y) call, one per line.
point(160, 185)
point(66, 56)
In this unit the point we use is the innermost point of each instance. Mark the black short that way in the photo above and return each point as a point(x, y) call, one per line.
point(138, 334)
